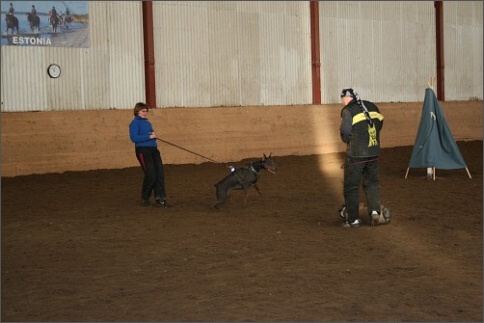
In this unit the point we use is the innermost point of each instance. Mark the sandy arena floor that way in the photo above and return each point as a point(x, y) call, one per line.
point(78, 246)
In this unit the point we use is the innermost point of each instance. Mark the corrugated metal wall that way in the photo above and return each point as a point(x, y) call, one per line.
point(232, 53)
point(116, 58)
point(463, 50)
point(385, 50)
point(108, 74)
point(23, 78)
point(242, 53)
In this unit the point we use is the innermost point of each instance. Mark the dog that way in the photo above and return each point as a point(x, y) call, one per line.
point(243, 178)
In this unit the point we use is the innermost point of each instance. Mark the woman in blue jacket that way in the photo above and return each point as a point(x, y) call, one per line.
point(144, 137)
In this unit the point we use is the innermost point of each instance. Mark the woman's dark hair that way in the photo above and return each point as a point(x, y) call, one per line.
point(138, 107)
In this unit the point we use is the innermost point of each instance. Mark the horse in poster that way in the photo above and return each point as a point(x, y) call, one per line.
point(34, 21)
point(12, 23)
point(54, 21)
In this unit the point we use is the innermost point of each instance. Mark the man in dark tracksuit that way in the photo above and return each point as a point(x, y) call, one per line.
point(360, 127)
point(144, 137)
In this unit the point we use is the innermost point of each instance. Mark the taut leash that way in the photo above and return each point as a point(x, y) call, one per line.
point(192, 152)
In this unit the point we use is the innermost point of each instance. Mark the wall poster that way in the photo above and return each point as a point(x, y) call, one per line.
point(45, 23)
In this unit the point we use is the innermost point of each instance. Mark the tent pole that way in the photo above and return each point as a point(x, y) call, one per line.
point(407, 172)
point(468, 173)
point(433, 171)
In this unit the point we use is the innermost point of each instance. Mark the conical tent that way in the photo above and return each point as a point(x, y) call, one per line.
point(435, 146)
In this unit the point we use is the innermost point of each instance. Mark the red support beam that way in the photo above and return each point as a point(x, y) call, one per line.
point(149, 53)
point(439, 39)
point(315, 52)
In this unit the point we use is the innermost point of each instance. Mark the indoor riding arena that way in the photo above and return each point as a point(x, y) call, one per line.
point(229, 83)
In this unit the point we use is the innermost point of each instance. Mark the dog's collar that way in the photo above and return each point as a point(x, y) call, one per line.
point(253, 169)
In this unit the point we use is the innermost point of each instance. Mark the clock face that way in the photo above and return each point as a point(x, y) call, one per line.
point(54, 70)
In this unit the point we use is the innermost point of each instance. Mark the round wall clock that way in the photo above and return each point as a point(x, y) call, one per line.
point(54, 70)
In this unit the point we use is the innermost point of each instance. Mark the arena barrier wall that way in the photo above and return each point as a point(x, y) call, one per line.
point(56, 142)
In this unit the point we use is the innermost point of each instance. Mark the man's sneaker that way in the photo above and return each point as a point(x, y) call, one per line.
point(375, 218)
point(355, 224)
point(342, 213)
point(387, 214)
point(159, 202)
point(146, 203)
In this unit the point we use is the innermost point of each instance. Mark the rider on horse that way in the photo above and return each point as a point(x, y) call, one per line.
point(34, 19)
point(11, 10)
point(53, 12)
point(11, 20)
point(61, 18)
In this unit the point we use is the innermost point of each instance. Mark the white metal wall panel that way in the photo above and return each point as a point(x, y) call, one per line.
point(271, 53)
point(127, 53)
point(95, 60)
point(232, 53)
point(223, 55)
point(181, 53)
point(168, 51)
point(20, 93)
point(64, 92)
point(463, 50)
point(195, 54)
point(285, 53)
point(26, 85)
point(114, 64)
point(284, 64)
point(249, 63)
point(385, 50)
point(241, 53)
point(108, 74)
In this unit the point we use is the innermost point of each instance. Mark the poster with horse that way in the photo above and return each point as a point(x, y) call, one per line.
point(45, 23)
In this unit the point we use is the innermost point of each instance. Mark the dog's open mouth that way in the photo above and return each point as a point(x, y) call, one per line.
point(269, 165)
point(271, 170)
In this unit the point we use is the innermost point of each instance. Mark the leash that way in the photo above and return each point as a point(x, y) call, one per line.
point(172, 144)
point(359, 162)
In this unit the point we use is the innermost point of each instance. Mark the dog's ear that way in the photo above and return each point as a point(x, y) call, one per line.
point(270, 154)
point(265, 157)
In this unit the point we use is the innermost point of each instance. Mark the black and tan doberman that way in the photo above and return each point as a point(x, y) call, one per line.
point(243, 178)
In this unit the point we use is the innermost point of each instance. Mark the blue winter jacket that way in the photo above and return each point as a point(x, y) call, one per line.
point(139, 133)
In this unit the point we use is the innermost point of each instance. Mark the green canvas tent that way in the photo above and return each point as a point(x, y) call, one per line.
point(435, 146)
